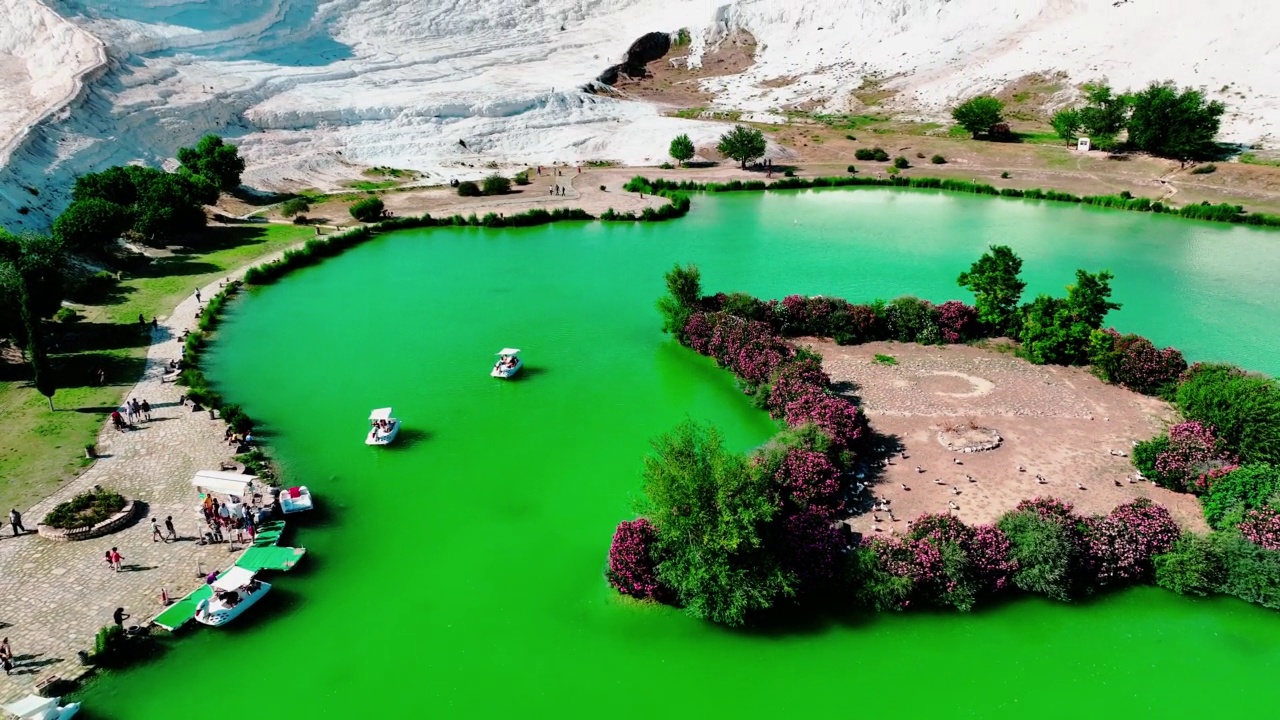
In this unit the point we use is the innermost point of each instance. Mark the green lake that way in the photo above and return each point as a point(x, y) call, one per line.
point(459, 573)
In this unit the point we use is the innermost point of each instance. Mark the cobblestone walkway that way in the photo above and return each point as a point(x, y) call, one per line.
point(54, 596)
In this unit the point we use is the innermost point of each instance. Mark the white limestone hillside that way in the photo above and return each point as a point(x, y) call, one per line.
point(314, 89)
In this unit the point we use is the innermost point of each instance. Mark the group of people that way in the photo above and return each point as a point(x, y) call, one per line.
point(224, 519)
point(114, 560)
point(169, 532)
point(382, 427)
point(134, 411)
point(241, 443)
point(505, 363)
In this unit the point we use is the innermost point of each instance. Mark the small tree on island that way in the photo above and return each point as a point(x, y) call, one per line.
point(368, 210)
point(743, 144)
point(684, 290)
point(996, 287)
point(681, 149)
point(496, 184)
point(978, 114)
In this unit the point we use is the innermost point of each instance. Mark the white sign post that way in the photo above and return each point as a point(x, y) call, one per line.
point(1082, 144)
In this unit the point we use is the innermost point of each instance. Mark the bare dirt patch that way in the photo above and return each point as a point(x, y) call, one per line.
point(1061, 424)
point(669, 80)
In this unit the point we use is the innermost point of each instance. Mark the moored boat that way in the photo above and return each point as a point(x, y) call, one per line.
point(382, 427)
point(509, 363)
point(34, 707)
point(295, 499)
point(233, 592)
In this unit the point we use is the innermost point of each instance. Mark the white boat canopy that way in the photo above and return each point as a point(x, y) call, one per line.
point(509, 351)
point(227, 483)
point(233, 579)
point(381, 414)
point(32, 706)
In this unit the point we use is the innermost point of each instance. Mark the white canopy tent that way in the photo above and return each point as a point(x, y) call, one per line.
point(233, 579)
point(380, 414)
point(226, 483)
point(508, 352)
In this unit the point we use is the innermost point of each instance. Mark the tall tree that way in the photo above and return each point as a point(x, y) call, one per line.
point(713, 512)
point(1089, 298)
point(1104, 114)
point(684, 290)
point(39, 262)
point(743, 144)
point(681, 149)
point(1179, 125)
point(91, 226)
point(1066, 123)
point(996, 287)
point(214, 159)
point(978, 114)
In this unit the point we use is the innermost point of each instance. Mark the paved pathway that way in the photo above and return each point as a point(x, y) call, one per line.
point(54, 596)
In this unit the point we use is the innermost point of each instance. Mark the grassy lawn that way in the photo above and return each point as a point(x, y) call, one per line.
point(40, 450)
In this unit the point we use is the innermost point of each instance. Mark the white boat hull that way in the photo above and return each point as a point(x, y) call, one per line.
point(507, 373)
point(213, 612)
point(296, 504)
point(374, 437)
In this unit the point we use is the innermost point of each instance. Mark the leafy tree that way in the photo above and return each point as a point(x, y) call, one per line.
point(91, 226)
point(1067, 124)
point(684, 290)
point(115, 184)
point(978, 114)
point(743, 144)
point(996, 287)
point(158, 204)
point(368, 210)
point(1043, 552)
point(1104, 114)
point(713, 513)
point(1192, 567)
point(39, 262)
point(467, 188)
point(1243, 409)
point(1087, 299)
point(681, 149)
point(1249, 572)
point(1248, 487)
point(294, 206)
point(496, 184)
point(215, 160)
point(1179, 125)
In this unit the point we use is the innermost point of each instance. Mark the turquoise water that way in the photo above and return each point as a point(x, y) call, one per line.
point(460, 572)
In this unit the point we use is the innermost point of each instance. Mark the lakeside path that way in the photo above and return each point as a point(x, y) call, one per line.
point(54, 596)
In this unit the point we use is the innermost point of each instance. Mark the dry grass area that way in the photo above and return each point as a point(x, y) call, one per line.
point(1056, 422)
point(670, 82)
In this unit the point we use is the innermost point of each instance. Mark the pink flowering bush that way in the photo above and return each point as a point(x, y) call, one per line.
point(957, 321)
point(989, 552)
point(1122, 543)
point(794, 379)
point(815, 547)
point(632, 568)
point(1135, 362)
point(1193, 450)
point(1262, 527)
point(809, 480)
point(837, 416)
point(983, 566)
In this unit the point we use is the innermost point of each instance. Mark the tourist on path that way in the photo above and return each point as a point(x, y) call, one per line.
point(107, 556)
point(197, 295)
point(8, 664)
point(116, 559)
point(146, 410)
point(168, 525)
point(120, 616)
point(156, 535)
point(15, 522)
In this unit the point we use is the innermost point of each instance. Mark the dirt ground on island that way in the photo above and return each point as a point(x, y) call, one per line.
point(1060, 423)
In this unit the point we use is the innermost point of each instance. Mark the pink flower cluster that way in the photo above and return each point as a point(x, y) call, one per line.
point(919, 560)
point(1139, 365)
point(747, 347)
point(794, 380)
point(957, 321)
point(986, 546)
point(836, 416)
point(1262, 527)
point(1193, 451)
point(632, 569)
point(1122, 543)
point(1206, 480)
point(814, 545)
point(810, 480)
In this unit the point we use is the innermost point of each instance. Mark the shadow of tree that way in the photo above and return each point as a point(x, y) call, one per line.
point(80, 337)
point(221, 238)
point(81, 370)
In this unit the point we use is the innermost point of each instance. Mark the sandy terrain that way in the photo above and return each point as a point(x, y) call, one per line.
point(1060, 423)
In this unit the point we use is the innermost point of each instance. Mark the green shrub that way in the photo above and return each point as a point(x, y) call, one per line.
point(938, 160)
point(1249, 572)
point(295, 206)
point(868, 154)
point(886, 359)
point(113, 648)
point(66, 315)
point(1043, 552)
point(789, 173)
point(1192, 567)
point(1248, 487)
point(1204, 169)
point(851, 169)
point(1145, 453)
point(1004, 175)
point(368, 210)
point(467, 188)
point(496, 184)
point(85, 509)
point(901, 163)
point(522, 177)
point(1243, 409)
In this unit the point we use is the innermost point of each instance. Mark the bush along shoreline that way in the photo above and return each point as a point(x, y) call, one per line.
point(1221, 212)
point(730, 537)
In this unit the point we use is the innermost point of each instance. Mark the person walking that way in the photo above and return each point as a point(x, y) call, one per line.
point(116, 559)
point(15, 522)
point(146, 411)
point(156, 535)
point(107, 556)
point(128, 412)
point(197, 295)
point(168, 526)
point(119, 616)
